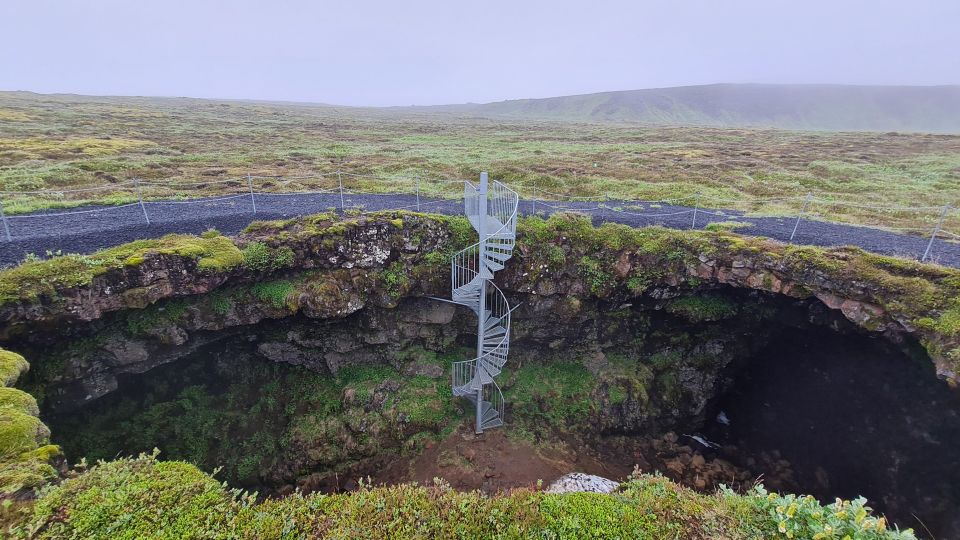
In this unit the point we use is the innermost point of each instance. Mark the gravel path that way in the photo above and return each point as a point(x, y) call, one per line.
point(103, 226)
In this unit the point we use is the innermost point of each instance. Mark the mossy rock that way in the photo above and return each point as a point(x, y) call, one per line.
point(32, 279)
point(18, 400)
point(697, 308)
point(12, 365)
point(20, 432)
point(31, 471)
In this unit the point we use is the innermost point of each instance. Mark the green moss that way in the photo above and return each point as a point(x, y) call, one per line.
point(424, 401)
point(396, 278)
point(259, 257)
point(597, 278)
point(701, 308)
point(32, 279)
point(12, 365)
point(728, 225)
point(141, 321)
point(948, 323)
point(626, 379)
point(617, 395)
point(552, 394)
point(12, 398)
point(31, 470)
point(276, 292)
point(20, 432)
point(221, 302)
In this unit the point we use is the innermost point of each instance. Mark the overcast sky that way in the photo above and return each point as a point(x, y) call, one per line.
point(357, 52)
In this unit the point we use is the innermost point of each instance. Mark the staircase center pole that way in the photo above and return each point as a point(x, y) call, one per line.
point(482, 315)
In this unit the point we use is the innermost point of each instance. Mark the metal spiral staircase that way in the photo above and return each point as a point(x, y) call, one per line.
point(492, 209)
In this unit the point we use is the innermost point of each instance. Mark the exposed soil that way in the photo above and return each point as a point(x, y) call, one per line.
point(493, 462)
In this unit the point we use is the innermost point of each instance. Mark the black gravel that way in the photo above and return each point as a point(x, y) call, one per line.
point(103, 226)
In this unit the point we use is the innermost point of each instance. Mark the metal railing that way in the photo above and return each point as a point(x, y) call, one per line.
point(149, 200)
point(492, 210)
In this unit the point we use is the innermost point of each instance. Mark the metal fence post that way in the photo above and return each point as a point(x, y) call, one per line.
point(936, 231)
point(696, 206)
point(418, 193)
point(140, 198)
point(6, 227)
point(253, 200)
point(803, 211)
point(340, 181)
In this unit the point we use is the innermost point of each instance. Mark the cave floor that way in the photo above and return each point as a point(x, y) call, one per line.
point(494, 462)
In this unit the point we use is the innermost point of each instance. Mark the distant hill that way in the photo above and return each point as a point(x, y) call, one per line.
point(934, 109)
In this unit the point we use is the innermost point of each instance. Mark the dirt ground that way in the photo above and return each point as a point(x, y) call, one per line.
point(494, 462)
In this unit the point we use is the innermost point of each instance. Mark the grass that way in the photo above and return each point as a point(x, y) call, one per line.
point(64, 142)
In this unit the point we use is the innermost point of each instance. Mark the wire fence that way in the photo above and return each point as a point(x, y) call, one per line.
point(149, 200)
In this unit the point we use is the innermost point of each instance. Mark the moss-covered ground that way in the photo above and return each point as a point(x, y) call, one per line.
point(63, 142)
point(926, 295)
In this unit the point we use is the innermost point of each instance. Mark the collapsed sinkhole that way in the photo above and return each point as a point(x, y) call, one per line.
point(717, 386)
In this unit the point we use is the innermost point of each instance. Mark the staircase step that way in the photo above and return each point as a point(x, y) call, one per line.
point(465, 391)
point(492, 265)
point(490, 321)
point(488, 370)
point(496, 422)
point(491, 225)
point(494, 331)
point(467, 296)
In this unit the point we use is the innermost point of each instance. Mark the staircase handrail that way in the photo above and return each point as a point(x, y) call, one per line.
point(506, 336)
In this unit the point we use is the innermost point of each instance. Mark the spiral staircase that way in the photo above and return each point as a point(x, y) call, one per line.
point(492, 210)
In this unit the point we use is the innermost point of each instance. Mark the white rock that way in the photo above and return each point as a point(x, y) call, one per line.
point(578, 482)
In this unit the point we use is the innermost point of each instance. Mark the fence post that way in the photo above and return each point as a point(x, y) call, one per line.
point(418, 193)
point(140, 198)
point(696, 206)
point(340, 181)
point(6, 227)
point(803, 211)
point(253, 200)
point(936, 231)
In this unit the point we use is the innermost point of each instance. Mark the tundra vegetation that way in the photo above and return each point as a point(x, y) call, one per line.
point(64, 142)
point(275, 263)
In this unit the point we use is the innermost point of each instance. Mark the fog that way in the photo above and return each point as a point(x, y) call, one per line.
point(403, 53)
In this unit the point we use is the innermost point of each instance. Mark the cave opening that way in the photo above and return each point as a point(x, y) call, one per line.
point(846, 415)
point(708, 387)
